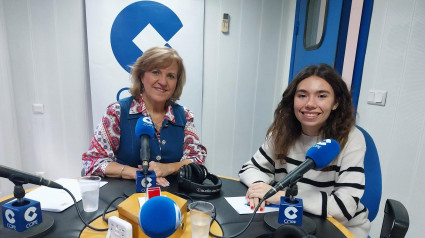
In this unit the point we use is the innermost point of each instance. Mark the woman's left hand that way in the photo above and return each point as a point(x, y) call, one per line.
point(258, 190)
point(160, 169)
point(162, 181)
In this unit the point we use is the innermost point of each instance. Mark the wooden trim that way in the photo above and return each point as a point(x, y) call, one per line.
point(235, 179)
point(11, 196)
point(341, 227)
point(99, 223)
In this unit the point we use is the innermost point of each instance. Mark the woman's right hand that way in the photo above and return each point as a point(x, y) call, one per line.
point(256, 192)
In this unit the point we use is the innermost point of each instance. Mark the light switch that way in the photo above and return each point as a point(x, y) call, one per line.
point(38, 108)
point(377, 97)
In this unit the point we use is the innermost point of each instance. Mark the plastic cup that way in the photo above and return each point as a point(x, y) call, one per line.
point(89, 187)
point(200, 218)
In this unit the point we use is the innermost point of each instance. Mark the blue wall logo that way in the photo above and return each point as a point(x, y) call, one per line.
point(140, 26)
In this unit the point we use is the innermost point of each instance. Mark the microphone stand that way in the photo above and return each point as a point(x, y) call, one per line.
point(271, 218)
point(39, 230)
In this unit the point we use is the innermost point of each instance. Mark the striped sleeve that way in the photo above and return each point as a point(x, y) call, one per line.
point(344, 188)
point(260, 167)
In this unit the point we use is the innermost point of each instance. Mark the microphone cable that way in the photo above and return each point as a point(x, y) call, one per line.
point(103, 215)
point(215, 214)
point(244, 229)
point(107, 207)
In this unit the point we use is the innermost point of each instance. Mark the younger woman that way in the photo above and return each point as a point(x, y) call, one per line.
point(316, 105)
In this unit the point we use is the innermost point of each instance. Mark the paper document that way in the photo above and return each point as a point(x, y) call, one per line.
point(57, 200)
point(240, 205)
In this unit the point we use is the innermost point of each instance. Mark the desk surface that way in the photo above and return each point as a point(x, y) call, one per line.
point(68, 224)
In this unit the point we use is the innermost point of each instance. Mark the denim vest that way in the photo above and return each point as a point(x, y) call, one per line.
point(169, 150)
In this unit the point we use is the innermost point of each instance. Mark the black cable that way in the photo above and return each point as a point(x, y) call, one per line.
point(185, 195)
point(215, 214)
point(79, 213)
point(107, 207)
point(244, 229)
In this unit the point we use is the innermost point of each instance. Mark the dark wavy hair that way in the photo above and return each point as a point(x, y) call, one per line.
point(286, 128)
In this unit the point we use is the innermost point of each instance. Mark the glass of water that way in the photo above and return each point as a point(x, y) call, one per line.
point(200, 218)
point(89, 187)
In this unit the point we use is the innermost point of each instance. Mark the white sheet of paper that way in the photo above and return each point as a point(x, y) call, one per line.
point(57, 200)
point(142, 200)
point(240, 205)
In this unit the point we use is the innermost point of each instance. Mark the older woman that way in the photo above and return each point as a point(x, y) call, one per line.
point(158, 77)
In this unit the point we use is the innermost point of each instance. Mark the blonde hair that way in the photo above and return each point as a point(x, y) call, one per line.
point(159, 57)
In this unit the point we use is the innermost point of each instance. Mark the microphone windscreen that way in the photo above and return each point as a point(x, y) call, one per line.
point(159, 217)
point(144, 126)
point(323, 152)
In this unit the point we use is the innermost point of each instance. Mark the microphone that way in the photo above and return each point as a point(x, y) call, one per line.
point(144, 130)
point(21, 177)
point(25, 214)
point(318, 156)
point(159, 217)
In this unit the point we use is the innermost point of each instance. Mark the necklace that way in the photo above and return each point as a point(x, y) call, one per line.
point(157, 125)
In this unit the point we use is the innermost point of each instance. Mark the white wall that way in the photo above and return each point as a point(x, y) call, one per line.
point(395, 61)
point(245, 73)
point(48, 65)
point(9, 141)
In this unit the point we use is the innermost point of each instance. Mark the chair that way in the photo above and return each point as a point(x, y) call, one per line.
point(396, 219)
point(120, 91)
point(373, 183)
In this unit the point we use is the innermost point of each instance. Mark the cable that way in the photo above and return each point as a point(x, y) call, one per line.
point(107, 207)
point(215, 214)
point(184, 195)
point(79, 213)
point(244, 229)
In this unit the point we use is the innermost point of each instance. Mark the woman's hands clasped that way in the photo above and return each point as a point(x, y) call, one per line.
point(256, 192)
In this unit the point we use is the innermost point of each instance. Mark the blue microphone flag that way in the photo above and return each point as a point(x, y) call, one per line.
point(144, 126)
point(323, 152)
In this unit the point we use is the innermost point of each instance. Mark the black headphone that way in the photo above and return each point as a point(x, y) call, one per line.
point(288, 231)
point(192, 178)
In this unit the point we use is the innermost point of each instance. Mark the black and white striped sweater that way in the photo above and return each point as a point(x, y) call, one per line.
point(334, 191)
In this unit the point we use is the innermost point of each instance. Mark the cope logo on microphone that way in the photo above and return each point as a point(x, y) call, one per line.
point(143, 182)
point(10, 216)
point(291, 212)
point(322, 143)
point(20, 217)
point(147, 182)
point(147, 121)
point(140, 26)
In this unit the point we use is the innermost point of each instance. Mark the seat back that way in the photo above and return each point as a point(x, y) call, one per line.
point(120, 91)
point(373, 183)
point(396, 220)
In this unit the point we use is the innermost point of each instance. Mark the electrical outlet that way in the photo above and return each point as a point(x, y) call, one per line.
point(119, 228)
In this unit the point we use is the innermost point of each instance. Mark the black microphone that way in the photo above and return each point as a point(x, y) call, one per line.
point(144, 130)
point(20, 177)
point(318, 156)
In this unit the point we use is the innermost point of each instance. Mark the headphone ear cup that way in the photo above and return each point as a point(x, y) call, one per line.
point(182, 174)
point(204, 171)
point(198, 173)
point(290, 231)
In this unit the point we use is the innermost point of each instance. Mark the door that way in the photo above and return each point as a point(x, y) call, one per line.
point(316, 32)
